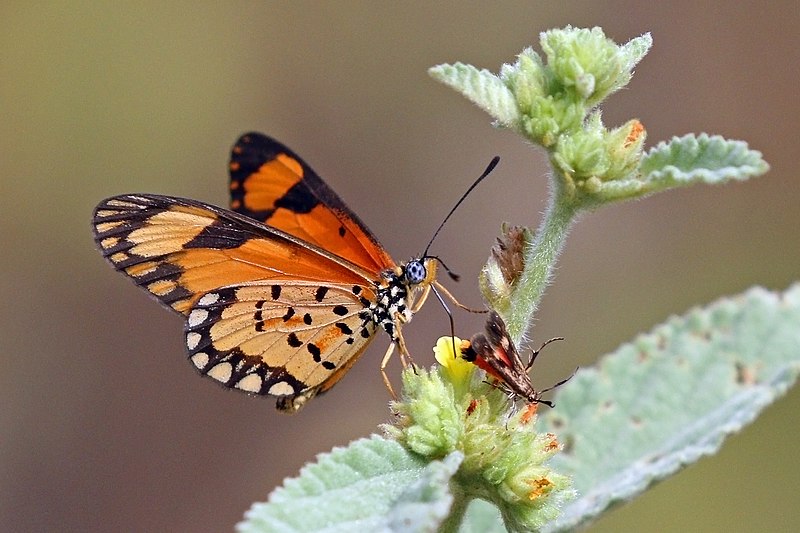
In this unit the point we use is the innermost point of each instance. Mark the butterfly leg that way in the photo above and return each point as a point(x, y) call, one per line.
point(385, 362)
point(452, 298)
point(405, 356)
point(398, 342)
point(420, 301)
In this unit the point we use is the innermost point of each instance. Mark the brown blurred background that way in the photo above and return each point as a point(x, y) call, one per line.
point(105, 426)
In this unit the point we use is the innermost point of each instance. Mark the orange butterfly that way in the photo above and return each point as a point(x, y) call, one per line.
point(495, 353)
point(282, 294)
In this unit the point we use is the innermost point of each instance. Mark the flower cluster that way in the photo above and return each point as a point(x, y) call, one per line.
point(450, 408)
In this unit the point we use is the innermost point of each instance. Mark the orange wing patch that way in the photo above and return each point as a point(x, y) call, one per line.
point(273, 185)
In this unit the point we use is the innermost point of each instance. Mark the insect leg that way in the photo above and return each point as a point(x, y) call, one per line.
point(418, 302)
point(453, 299)
point(385, 362)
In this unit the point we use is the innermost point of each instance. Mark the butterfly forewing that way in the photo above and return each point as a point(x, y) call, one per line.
point(272, 184)
point(179, 249)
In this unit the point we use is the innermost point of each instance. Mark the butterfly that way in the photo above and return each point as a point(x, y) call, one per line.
point(495, 353)
point(280, 294)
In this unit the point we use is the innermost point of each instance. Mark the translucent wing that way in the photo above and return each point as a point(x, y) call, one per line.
point(272, 184)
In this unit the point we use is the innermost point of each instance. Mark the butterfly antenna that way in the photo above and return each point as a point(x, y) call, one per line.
point(489, 168)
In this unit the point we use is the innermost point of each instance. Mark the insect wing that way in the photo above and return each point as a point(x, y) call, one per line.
point(495, 354)
point(288, 339)
point(272, 184)
point(265, 312)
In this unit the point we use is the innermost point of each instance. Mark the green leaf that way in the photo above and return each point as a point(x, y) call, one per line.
point(684, 161)
point(372, 485)
point(634, 50)
point(483, 88)
point(672, 396)
point(426, 503)
point(707, 159)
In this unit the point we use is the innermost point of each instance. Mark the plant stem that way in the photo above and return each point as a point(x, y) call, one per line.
point(456, 517)
point(540, 258)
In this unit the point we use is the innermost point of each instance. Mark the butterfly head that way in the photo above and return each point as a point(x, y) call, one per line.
point(420, 271)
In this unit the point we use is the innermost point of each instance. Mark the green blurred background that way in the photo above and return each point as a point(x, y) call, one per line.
point(103, 424)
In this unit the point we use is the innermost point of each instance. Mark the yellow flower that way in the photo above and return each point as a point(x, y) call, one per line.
point(453, 367)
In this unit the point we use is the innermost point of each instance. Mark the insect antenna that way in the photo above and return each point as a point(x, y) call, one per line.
point(489, 168)
point(453, 275)
point(559, 383)
point(535, 353)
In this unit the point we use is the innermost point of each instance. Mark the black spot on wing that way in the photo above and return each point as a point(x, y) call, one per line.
point(259, 316)
point(293, 341)
point(320, 294)
point(314, 350)
point(344, 328)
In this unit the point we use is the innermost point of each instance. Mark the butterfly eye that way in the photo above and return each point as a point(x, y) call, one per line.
point(415, 272)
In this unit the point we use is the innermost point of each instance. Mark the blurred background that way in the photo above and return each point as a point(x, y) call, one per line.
point(103, 423)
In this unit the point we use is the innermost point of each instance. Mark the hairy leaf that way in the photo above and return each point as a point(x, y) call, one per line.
point(671, 397)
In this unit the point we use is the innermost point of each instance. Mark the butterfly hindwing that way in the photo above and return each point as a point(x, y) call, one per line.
point(272, 184)
point(284, 339)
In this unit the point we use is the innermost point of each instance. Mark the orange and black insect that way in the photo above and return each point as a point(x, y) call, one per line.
point(495, 353)
point(282, 293)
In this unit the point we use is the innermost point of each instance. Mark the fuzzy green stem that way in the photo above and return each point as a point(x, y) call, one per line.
point(540, 258)
point(457, 512)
